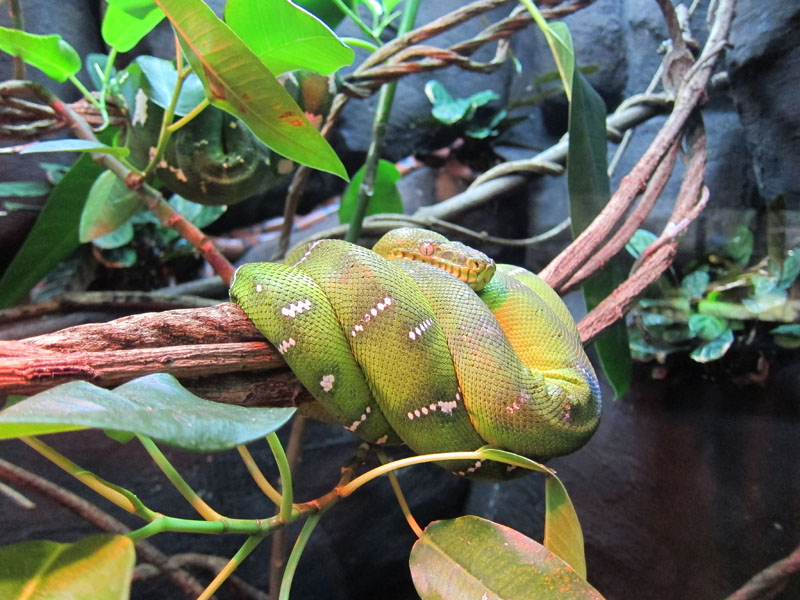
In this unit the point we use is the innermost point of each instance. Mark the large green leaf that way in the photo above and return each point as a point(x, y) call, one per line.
point(54, 235)
point(48, 53)
point(157, 406)
point(122, 31)
point(98, 567)
point(470, 557)
point(109, 206)
point(589, 191)
point(236, 81)
point(386, 197)
point(286, 37)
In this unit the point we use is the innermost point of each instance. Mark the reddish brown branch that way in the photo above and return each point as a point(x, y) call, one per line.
point(689, 96)
point(771, 581)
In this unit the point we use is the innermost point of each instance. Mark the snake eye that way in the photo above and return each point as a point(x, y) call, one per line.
point(427, 248)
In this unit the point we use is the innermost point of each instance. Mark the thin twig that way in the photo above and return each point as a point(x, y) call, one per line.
point(771, 581)
point(101, 519)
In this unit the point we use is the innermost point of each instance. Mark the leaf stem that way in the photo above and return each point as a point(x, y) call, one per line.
point(285, 471)
point(250, 544)
point(115, 494)
point(189, 116)
point(297, 551)
point(401, 499)
point(379, 125)
point(205, 511)
point(357, 20)
point(259, 477)
point(86, 93)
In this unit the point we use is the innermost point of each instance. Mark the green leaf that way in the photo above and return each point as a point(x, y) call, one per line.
point(386, 197)
point(72, 145)
point(787, 336)
point(639, 242)
point(739, 246)
point(48, 53)
point(763, 284)
point(139, 9)
point(161, 77)
point(449, 110)
point(122, 31)
point(713, 349)
point(54, 235)
point(589, 191)
point(286, 37)
point(560, 42)
point(707, 327)
point(117, 238)
point(326, 10)
point(562, 529)
point(199, 215)
point(109, 205)
point(764, 302)
point(470, 557)
point(695, 283)
point(236, 81)
point(791, 269)
point(23, 189)
point(98, 567)
point(155, 405)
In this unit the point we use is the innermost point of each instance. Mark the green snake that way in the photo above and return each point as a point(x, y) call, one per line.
point(425, 341)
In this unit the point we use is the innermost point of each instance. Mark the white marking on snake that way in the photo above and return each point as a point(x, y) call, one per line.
point(327, 382)
point(295, 308)
point(307, 253)
point(472, 469)
point(371, 314)
point(259, 287)
point(415, 333)
point(284, 346)
point(445, 407)
point(524, 397)
point(516, 271)
point(354, 425)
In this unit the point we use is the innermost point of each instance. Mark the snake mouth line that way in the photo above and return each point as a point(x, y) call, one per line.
point(470, 274)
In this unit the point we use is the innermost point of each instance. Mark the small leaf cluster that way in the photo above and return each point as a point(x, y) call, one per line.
point(719, 297)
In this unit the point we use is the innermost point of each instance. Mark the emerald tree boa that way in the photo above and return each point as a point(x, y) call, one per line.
point(424, 341)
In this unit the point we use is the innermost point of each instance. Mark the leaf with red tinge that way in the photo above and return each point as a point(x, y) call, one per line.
point(236, 81)
point(470, 557)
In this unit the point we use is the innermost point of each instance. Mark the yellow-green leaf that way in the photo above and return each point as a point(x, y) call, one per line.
point(98, 567)
point(470, 557)
point(286, 37)
point(48, 53)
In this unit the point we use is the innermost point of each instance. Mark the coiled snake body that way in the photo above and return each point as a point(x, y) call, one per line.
point(397, 349)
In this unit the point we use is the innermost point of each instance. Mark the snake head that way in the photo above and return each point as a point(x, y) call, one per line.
point(467, 264)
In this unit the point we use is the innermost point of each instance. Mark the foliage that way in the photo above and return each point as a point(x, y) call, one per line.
point(721, 295)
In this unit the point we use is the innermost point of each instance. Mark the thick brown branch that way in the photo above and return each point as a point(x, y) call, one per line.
point(216, 351)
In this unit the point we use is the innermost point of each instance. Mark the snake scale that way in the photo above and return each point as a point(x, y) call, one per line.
point(425, 341)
